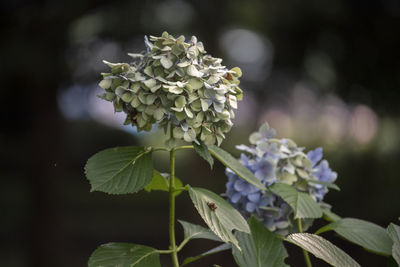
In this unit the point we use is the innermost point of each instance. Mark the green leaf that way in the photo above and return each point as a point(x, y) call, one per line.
point(210, 252)
point(329, 215)
point(229, 161)
point(120, 170)
point(193, 231)
point(394, 233)
point(366, 234)
point(323, 249)
point(302, 204)
point(160, 182)
point(218, 214)
point(329, 185)
point(124, 255)
point(202, 150)
point(260, 248)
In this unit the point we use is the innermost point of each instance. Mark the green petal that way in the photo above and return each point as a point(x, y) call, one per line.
point(150, 83)
point(195, 83)
point(105, 84)
point(158, 113)
point(180, 102)
point(166, 62)
point(177, 133)
point(150, 110)
point(238, 72)
point(192, 71)
point(127, 97)
point(149, 71)
point(204, 105)
point(188, 112)
point(135, 102)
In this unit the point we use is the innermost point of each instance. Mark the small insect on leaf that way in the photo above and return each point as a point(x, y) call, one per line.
point(212, 206)
point(228, 76)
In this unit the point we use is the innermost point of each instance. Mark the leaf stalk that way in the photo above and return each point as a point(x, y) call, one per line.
point(305, 253)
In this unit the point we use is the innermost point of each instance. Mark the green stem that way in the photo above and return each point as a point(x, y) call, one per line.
point(159, 149)
point(305, 253)
point(181, 245)
point(174, 254)
point(164, 251)
point(183, 147)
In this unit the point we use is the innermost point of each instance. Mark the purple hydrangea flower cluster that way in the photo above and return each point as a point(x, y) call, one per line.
point(322, 172)
point(276, 160)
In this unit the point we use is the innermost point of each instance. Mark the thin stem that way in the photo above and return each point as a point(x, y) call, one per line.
point(183, 147)
point(305, 253)
point(184, 242)
point(164, 251)
point(159, 149)
point(174, 254)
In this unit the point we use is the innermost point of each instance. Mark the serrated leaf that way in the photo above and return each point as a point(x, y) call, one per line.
point(218, 214)
point(207, 253)
point(302, 204)
point(124, 255)
point(193, 231)
point(120, 170)
point(229, 161)
point(366, 234)
point(260, 248)
point(202, 150)
point(394, 233)
point(160, 182)
point(323, 249)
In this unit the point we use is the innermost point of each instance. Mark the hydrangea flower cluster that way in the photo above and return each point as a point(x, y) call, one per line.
point(322, 172)
point(176, 85)
point(276, 160)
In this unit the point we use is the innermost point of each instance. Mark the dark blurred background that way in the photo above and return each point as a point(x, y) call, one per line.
point(324, 73)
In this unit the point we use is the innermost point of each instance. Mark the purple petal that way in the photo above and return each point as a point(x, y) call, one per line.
point(315, 155)
point(250, 206)
point(239, 185)
point(254, 197)
point(235, 198)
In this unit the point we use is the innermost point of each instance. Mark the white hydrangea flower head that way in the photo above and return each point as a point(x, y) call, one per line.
point(178, 86)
